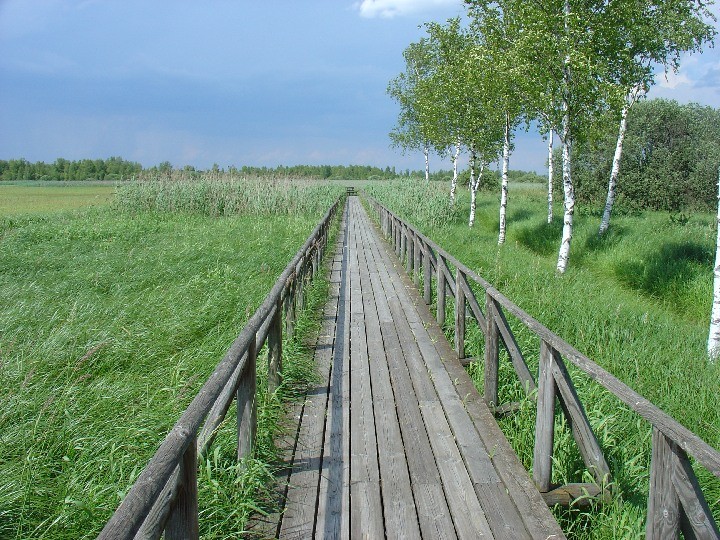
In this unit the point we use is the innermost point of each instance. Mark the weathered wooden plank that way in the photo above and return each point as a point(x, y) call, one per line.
point(301, 492)
point(467, 513)
point(365, 499)
point(400, 515)
point(534, 511)
point(576, 495)
point(274, 352)
point(432, 509)
point(455, 471)
point(472, 302)
point(417, 251)
point(333, 493)
point(427, 275)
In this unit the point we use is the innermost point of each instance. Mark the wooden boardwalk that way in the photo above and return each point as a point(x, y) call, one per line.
point(395, 441)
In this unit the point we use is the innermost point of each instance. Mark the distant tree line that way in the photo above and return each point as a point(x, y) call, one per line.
point(670, 158)
point(114, 168)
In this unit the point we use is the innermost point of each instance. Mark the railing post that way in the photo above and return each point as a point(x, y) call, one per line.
point(403, 241)
point(492, 352)
point(663, 518)
point(427, 271)
point(418, 258)
point(441, 290)
point(459, 315)
point(182, 523)
point(398, 238)
point(274, 341)
point(247, 405)
point(409, 248)
point(545, 420)
point(301, 279)
point(290, 306)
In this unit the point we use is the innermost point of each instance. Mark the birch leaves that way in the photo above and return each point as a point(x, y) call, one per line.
point(563, 63)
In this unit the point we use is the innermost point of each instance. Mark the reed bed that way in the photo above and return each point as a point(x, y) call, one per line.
point(226, 195)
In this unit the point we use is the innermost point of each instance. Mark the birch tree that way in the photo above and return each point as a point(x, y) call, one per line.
point(462, 92)
point(560, 48)
point(714, 337)
point(496, 33)
point(649, 34)
point(550, 176)
point(413, 130)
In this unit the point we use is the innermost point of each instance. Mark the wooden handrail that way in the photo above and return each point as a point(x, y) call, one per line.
point(672, 481)
point(165, 493)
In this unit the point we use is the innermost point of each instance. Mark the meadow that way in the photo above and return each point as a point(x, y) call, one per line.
point(636, 301)
point(19, 198)
point(111, 318)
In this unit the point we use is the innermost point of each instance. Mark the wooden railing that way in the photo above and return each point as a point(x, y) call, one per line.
point(164, 497)
point(675, 503)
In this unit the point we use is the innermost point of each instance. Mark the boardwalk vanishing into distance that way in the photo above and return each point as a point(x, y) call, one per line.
point(395, 441)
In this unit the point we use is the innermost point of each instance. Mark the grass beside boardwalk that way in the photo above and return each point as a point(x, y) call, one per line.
point(110, 321)
point(29, 197)
point(637, 302)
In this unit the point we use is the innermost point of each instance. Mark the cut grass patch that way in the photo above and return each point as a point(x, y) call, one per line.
point(27, 198)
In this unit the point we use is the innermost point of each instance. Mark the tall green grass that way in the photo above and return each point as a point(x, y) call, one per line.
point(109, 324)
point(636, 301)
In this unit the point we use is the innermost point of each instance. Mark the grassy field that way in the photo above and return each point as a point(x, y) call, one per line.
point(23, 198)
point(637, 302)
point(110, 321)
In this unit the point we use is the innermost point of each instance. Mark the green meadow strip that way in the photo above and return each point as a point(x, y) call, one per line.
point(110, 321)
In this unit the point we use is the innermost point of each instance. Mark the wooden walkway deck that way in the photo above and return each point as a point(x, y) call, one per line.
point(395, 441)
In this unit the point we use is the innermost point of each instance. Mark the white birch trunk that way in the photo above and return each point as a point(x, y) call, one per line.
point(550, 177)
point(426, 151)
point(504, 181)
point(453, 185)
point(568, 188)
point(474, 183)
point(615, 172)
point(714, 336)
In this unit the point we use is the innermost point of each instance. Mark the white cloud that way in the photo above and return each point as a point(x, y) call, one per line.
point(391, 8)
point(673, 80)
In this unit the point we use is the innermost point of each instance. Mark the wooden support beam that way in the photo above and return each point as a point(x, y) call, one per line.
point(544, 421)
point(182, 523)
point(580, 495)
point(275, 350)
point(247, 405)
point(582, 432)
point(440, 283)
point(459, 319)
point(492, 353)
point(427, 275)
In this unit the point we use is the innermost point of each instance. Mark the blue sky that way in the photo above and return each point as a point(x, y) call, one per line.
point(230, 82)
